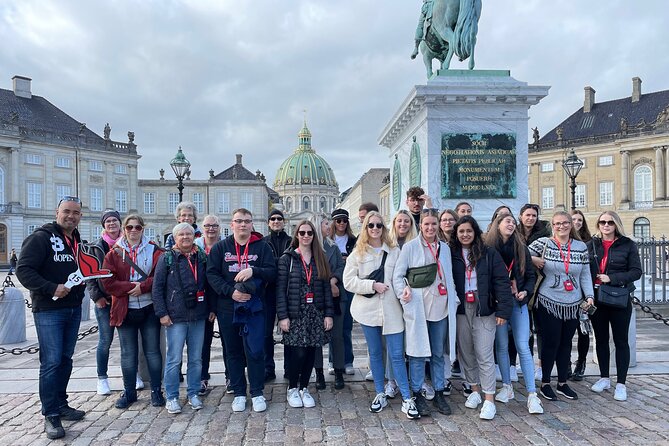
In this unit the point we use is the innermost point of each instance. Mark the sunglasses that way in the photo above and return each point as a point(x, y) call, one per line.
point(305, 233)
point(606, 223)
point(69, 198)
point(276, 219)
point(375, 225)
point(135, 227)
point(341, 220)
point(212, 226)
point(239, 221)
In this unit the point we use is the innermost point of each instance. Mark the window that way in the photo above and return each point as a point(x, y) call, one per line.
point(305, 203)
point(247, 200)
point(33, 158)
point(95, 165)
point(62, 190)
point(642, 228)
point(149, 202)
point(547, 198)
point(172, 202)
point(96, 199)
point(30, 229)
point(643, 186)
point(606, 193)
point(34, 195)
point(580, 195)
point(289, 205)
point(122, 201)
point(223, 202)
point(322, 206)
point(63, 161)
point(606, 160)
point(198, 200)
point(96, 232)
point(226, 232)
point(121, 169)
point(547, 167)
point(150, 233)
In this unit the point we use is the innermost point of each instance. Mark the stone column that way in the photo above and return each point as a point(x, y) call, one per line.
point(665, 150)
point(13, 178)
point(659, 174)
point(624, 177)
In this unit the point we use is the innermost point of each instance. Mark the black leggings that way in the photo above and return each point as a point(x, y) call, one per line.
point(583, 345)
point(300, 366)
point(619, 321)
point(556, 335)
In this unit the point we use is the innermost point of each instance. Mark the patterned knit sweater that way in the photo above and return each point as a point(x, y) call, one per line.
point(552, 294)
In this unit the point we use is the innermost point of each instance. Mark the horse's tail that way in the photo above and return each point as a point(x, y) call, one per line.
point(467, 27)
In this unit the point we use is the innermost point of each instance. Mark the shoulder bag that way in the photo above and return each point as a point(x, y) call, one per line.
point(609, 295)
point(377, 275)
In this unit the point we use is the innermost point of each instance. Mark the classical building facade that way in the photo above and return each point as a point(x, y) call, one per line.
point(624, 144)
point(365, 190)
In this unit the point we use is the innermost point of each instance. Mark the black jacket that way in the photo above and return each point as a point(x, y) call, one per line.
point(222, 268)
point(289, 284)
point(96, 290)
point(279, 242)
point(623, 265)
point(524, 282)
point(492, 280)
point(46, 261)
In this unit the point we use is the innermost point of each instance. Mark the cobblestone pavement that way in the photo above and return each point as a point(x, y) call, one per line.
point(343, 418)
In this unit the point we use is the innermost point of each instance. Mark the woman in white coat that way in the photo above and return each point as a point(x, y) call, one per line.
point(429, 312)
point(376, 307)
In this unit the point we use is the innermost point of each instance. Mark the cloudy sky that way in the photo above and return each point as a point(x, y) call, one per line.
point(220, 77)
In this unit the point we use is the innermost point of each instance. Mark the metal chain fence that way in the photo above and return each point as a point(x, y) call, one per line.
point(646, 309)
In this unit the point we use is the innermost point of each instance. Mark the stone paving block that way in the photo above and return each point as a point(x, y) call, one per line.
point(334, 431)
point(313, 435)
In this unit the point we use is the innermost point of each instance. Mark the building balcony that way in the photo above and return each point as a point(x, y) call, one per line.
point(641, 204)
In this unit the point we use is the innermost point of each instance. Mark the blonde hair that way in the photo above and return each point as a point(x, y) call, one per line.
point(620, 231)
point(363, 238)
point(572, 230)
point(412, 234)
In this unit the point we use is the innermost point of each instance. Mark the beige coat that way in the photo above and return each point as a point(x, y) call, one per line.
point(381, 310)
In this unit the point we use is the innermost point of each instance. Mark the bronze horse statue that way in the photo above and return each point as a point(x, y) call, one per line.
point(453, 30)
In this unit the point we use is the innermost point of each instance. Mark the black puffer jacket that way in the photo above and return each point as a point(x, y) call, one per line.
point(623, 265)
point(524, 282)
point(492, 279)
point(289, 284)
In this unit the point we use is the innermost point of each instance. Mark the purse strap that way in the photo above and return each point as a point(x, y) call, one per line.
point(128, 261)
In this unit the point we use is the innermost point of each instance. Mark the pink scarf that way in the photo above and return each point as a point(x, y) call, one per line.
point(110, 241)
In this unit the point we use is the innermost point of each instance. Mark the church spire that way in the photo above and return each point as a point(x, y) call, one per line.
point(304, 137)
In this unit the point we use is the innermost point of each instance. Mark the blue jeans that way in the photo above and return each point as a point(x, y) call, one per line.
point(436, 332)
point(178, 334)
point(348, 329)
point(520, 325)
point(105, 338)
point(395, 349)
point(57, 336)
point(128, 335)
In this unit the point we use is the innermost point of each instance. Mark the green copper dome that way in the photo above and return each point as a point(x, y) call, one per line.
point(304, 166)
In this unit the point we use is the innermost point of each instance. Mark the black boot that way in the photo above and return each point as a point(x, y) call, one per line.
point(53, 427)
point(570, 373)
point(421, 404)
point(126, 399)
point(579, 371)
point(339, 379)
point(320, 379)
point(441, 404)
point(157, 398)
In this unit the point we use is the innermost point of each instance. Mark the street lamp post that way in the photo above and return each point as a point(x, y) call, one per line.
point(572, 165)
point(180, 165)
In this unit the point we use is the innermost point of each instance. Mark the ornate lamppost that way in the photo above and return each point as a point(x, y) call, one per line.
point(572, 165)
point(180, 166)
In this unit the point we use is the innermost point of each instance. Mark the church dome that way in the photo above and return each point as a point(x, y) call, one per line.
point(304, 166)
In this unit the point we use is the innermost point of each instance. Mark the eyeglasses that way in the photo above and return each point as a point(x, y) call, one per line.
point(557, 224)
point(135, 227)
point(276, 219)
point(69, 198)
point(606, 223)
point(375, 225)
point(239, 221)
point(212, 226)
point(341, 220)
point(305, 233)
point(448, 220)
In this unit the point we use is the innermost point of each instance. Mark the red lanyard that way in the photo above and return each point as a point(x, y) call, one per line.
point(243, 258)
point(564, 260)
point(133, 256)
point(436, 258)
point(468, 268)
point(193, 266)
point(75, 250)
point(307, 271)
point(510, 267)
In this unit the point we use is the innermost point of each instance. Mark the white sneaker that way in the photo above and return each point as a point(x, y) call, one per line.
point(239, 404)
point(379, 403)
point(514, 374)
point(409, 408)
point(139, 384)
point(428, 391)
point(390, 389)
point(621, 393)
point(103, 386)
point(498, 373)
point(534, 404)
point(173, 406)
point(538, 374)
point(505, 393)
point(195, 402)
point(473, 400)
point(307, 399)
point(293, 398)
point(349, 370)
point(330, 369)
point(488, 410)
point(601, 385)
point(369, 376)
point(259, 404)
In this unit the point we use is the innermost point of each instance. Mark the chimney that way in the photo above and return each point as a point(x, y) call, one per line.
point(239, 159)
point(636, 89)
point(21, 86)
point(589, 101)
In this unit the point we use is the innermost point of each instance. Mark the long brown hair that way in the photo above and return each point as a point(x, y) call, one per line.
point(584, 232)
point(316, 250)
point(494, 239)
point(478, 247)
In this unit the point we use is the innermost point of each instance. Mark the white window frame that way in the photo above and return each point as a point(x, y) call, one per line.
point(548, 167)
point(63, 190)
point(198, 201)
point(548, 198)
point(606, 193)
point(605, 160)
point(172, 202)
point(223, 202)
point(149, 202)
point(121, 200)
point(580, 195)
point(95, 166)
point(33, 195)
point(643, 185)
point(64, 162)
point(150, 233)
point(96, 199)
point(246, 200)
point(121, 169)
point(33, 158)
point(30, 229)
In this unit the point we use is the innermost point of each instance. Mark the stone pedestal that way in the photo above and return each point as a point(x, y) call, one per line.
point(463, 137)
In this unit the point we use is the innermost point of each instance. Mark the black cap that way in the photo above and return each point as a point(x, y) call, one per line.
point(274, 212)
point(339, 213)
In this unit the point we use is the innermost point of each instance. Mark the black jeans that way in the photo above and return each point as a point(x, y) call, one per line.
point(128, 334)
point(556, 335)
point(301, 364)
point(270, 324)
point(239, 354)
point(619, 321)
